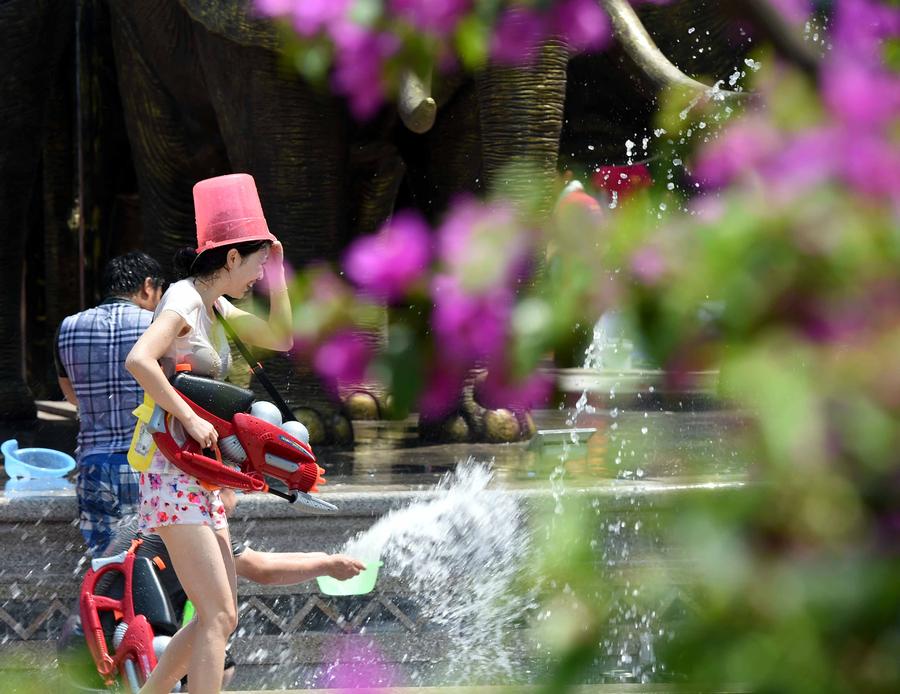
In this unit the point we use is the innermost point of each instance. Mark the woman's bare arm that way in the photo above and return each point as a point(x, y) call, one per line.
point(274, 333)
point(143, 363)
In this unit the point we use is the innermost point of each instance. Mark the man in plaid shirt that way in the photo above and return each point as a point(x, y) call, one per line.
point(91, 347)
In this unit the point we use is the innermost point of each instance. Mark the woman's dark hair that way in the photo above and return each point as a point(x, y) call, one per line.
point(125, 274)
point(188, 263)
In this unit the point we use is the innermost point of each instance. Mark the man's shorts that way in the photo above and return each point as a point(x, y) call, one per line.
point(107, 491)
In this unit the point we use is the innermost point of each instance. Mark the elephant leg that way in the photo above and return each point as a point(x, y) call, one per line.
point(171, 125)
point(521, 114)
point(32, 36)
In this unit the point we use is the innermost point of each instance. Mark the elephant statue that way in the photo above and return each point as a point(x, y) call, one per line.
point(204, 92)
point(34, 40)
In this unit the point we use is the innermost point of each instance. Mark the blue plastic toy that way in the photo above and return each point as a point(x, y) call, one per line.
point(35, 462)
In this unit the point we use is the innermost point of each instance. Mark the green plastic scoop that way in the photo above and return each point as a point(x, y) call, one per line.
point(360, 584)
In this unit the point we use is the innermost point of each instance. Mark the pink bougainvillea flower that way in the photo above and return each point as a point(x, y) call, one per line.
point(308, 17)
point(860, 96)
point(274, 8)
point(344, 358)
point(386, 264)
point(357, 665)
point(794, 11)
point(870, 165)
point(439, 16)
point(623, 180)
point(325, 286)
point(289, 275)
point(742, 146)
point(496, 391)
point(583, 23)
point(442, 391)
point(517, 35)
point(469, 327)
point(859, 28)
point(482, 245)
point(358, 66)
point(648, 265)
point(808, 159)
point(313, 16)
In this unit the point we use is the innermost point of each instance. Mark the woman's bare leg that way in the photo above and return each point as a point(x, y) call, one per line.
point(204, 564)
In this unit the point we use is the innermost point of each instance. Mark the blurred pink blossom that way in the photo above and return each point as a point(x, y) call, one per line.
point(274, 8)
point(497, 391)
point(859, 30)
point(438, 16)
point(358, 62)
point(469, 327)
point(343, 358)
point(648, 265)
point(794, 11)
point(442, 391)
point(482, 242)
point(326, 286)
point(860, 96)
point(386, 264)
point(357, 666)
point(517, 35)
point(289, 275)
point(583, 23)
point(811, 157)
point(308, 17)
point(870, 164)
point(312, 16)
point(743, 146)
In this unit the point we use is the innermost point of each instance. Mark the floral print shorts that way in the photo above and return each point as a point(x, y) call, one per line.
point(178, 499)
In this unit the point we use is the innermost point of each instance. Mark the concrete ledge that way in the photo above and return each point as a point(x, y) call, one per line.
point(376, 501)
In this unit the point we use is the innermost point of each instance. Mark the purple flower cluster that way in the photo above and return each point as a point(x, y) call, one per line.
point(387, 264)
point(853, 144)
point(358, 74)
point(469, 327)
point(364, 47)
point(483, 245)
point(428, 15)
point(519, 31)
point(794, 11)
point(344, 358)
point(308, 16)
point(500, 391)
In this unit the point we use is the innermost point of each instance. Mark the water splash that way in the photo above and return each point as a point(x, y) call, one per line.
point(627, 650)
point(459, 552)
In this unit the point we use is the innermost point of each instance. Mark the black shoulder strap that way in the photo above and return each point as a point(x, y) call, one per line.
point(256, 367)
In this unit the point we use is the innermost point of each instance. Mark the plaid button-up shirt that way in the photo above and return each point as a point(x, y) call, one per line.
point(91, 350)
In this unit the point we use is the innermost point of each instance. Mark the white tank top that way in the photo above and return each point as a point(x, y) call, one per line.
point(204, 347)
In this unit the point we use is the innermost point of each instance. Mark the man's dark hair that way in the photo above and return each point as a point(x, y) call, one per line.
point(125, 274)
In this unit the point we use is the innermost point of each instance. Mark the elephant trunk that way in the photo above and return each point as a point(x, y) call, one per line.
point(637, 44)
point(414, 102)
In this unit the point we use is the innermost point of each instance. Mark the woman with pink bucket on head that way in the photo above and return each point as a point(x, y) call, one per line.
point(233, 246)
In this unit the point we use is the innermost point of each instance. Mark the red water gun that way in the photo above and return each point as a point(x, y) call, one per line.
point(259, 447)
point(133, 657)
point(272, 445)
